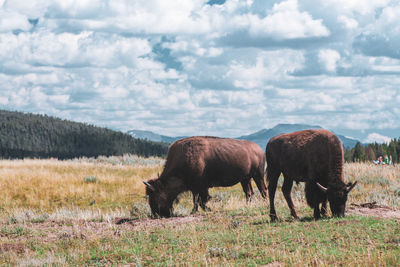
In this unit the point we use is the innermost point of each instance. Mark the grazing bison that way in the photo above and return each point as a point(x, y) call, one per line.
point(311, 156)
point(197, 163)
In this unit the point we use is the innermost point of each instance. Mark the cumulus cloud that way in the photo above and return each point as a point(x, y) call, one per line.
point(269, 67)
point(287, 22)
point(198, 67)
point(329, 59)
point(13, 21)
point(377, 138)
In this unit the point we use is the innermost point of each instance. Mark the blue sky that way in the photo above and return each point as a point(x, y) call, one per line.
point(225, 68)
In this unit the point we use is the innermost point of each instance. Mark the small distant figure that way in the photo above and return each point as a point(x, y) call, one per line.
point(386, 160)
point(390, 160)
point(380, 160)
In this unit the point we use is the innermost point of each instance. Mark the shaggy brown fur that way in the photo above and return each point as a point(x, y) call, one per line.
point(310, 156)
point(198, 163)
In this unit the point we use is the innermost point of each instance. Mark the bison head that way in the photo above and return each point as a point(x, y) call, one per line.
point(158, 199)
point(337, 197)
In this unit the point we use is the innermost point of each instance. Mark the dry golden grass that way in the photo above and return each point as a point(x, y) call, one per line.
point(87, 186)
point(62, 213)
point(380, 183)
point(50, 185)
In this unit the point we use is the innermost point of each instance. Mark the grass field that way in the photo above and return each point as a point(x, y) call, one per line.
point(93, 212)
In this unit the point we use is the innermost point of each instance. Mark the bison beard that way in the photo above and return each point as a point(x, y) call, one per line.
point(197, 163)
point(314, 157)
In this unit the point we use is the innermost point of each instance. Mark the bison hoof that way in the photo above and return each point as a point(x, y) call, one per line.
point(194, 211)
point(206, 208)
point(317, 217)
point(273, 217)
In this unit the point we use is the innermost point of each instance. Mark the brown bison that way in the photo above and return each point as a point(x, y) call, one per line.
point(311, 156)
point(197, 163)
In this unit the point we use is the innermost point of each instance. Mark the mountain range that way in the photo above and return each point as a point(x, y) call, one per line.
point(261, 137)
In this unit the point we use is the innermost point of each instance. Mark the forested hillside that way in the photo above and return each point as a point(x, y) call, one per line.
point(29, 135)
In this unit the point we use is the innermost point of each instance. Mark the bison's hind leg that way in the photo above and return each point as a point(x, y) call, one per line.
point(287, 190)
point(259, 180)
point(247, 189)
point(272, 177)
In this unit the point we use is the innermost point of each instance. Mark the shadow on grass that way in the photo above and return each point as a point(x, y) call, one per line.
point(288, 220)
point(151, 217)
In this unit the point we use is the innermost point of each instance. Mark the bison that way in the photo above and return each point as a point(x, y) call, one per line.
point(197, 163)
point(314, 157)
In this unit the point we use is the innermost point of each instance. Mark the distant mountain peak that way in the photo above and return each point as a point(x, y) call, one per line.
point(260, 137)
point(295, 127)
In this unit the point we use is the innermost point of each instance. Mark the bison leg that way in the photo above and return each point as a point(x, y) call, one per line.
point(259, 180)
point(287, 189)
point(247, 189)
point(204, 197)
point(317, 214)
point(323, 208)
point(196, 200)
point(200, 198)
point(272, 184)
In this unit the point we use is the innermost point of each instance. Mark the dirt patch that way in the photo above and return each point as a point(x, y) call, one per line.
point(13, 247)
point(375, 210)
point(148, 223)
point(54, 231)
point(273, 264)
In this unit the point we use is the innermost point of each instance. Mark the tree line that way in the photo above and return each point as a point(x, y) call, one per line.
point(372, 151)
point(41, 136)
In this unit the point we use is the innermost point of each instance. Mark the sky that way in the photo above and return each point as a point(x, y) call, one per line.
point(224, 68)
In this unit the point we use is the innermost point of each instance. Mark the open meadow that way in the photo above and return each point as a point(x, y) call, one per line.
point(94, 212)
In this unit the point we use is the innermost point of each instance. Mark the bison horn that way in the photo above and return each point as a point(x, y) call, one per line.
point(351, 186)
point(149, 186)
point(322, 187)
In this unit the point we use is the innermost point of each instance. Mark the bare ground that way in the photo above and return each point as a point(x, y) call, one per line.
point(148, 222)
point(373, 209)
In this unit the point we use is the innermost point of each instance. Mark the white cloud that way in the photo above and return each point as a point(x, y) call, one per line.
point(329, 58)
point(287, 22)
point(349, 23)
point(269, 66)
point(377, 138)
point(185, 67)
point(355, 6)
point(10, 21)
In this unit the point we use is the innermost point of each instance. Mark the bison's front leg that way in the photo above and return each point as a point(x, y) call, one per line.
point(287, 189)
point(200, 199)
point(196, 200)
point(323, 208)
point(317, 214)
point(204, 198)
